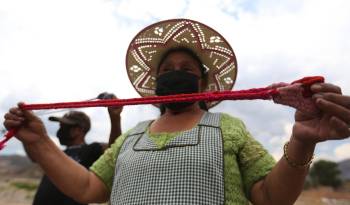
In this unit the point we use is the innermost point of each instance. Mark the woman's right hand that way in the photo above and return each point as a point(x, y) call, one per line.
point(30, 129)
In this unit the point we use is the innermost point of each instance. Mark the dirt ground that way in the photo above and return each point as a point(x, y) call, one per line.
point(10, 194)
point(324, 196)
point(20, 191)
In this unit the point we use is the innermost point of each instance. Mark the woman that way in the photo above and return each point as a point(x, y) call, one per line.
point(188, 155)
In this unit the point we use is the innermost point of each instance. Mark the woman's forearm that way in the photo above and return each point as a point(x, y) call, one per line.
point(285, 182)
point(69, 177)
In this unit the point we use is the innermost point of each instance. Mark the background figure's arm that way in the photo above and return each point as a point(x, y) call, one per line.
point(114, 116)
point(116, 130)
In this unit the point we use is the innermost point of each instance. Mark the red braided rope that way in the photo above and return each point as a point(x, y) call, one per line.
point(250, 94)
point(262, 93)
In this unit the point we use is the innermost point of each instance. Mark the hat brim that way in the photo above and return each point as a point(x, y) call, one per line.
point(62, 120)
point(149, 45)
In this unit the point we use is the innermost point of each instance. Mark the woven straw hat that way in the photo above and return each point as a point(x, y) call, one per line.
point(149, 45)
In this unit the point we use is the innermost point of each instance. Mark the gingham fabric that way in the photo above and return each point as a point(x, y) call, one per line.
point(188, 170)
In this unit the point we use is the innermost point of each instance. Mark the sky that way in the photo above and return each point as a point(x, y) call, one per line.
point(72, 50)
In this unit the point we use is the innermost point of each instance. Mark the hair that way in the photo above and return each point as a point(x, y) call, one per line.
point(191, 53)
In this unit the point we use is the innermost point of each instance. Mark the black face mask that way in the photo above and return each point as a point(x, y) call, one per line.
point(63, 135)
point(177, 82)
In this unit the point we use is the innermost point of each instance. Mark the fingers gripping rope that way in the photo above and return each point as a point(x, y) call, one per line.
point(297, 94)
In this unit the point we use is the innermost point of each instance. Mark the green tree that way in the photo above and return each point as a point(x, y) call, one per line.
point(325, 173)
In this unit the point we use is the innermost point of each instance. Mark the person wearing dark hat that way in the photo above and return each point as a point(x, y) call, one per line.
point(73, 127)
point(189, 155)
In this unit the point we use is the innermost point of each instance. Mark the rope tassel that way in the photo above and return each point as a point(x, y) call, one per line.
point(296, 94)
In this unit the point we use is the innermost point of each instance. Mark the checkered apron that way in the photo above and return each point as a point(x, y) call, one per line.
point(189, 170)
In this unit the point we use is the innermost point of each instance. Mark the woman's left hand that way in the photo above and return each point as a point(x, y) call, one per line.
point(332, 123)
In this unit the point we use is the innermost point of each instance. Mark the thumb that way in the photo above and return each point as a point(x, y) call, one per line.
point(29, 115)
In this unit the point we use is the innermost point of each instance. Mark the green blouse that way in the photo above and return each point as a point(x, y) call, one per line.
point(245, 160)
